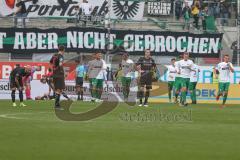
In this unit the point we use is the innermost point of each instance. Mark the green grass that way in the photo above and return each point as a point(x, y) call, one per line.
point(35, 133)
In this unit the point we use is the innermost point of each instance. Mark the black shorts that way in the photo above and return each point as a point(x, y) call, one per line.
point(59, 82)
point(146, 80)
point(13, 83)
point(79, 81)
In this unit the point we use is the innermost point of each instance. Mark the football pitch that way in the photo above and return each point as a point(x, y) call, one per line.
point(159, 132)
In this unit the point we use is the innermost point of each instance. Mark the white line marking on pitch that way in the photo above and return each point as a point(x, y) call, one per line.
point(13, 116)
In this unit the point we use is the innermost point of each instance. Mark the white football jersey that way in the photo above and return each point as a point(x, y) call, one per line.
point(171, 73)
point(97, 69)
point(194, 73)
point(224, 72)
point(127, 68)
point(185, 68)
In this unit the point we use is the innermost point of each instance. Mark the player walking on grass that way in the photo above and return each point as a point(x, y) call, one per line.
point(97, 73)
point(127, 68)
point(80, 74)
point(147, 67)
point(172, 71)
point(58, 75)
point(224, 68)
point(184, 69)
point(177, 83)
point(16, 83)
point(193, 83)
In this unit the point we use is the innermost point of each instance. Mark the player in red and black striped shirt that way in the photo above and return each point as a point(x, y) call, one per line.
point(58, 75)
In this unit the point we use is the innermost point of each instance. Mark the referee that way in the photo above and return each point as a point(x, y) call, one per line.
point(80, 74)
point(58, 74)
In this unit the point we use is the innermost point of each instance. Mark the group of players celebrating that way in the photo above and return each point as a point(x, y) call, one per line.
point(182, 78)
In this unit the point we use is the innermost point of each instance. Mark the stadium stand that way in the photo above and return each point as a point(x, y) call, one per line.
point(214, 23)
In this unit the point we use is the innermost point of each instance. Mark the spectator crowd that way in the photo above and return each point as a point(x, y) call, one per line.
point(200, 10)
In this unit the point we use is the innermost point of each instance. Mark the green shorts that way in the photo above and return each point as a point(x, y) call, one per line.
point(96, 83)
point(177, 83)
point(185, 82)
point(126, 81)
point(170, 85)
point(192, 86)
point(223, 87)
